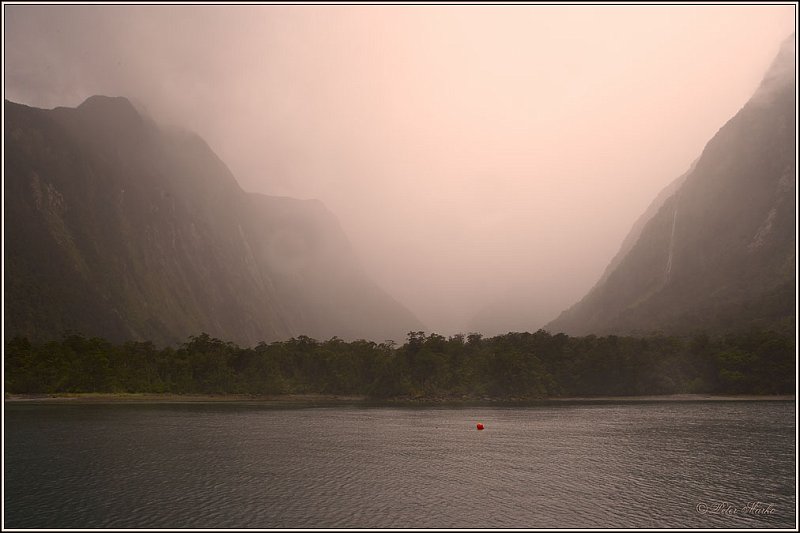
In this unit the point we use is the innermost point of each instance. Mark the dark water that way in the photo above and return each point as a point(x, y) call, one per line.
point(240, 465)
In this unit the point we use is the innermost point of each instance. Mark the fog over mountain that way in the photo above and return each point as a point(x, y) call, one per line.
point(468, 152)
point(122, 229)
point(716, 251)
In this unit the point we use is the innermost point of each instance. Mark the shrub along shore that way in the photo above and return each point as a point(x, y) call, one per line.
point(516, 367)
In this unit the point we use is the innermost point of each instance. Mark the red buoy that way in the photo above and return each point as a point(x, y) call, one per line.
point(480, 427)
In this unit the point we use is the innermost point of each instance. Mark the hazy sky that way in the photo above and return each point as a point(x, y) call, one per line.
point(468, 151)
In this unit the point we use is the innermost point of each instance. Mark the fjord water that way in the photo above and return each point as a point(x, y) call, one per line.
point(596, 464)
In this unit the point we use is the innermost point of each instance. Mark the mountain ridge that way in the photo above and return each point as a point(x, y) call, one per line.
point(120, 228)
point(719, 253)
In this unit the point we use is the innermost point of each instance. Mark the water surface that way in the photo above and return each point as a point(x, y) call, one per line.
point(650, 464)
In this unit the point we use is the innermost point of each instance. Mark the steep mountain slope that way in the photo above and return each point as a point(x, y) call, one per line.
point(719, 253)
point(311, 263)
point(119, 228)
point(636, 231)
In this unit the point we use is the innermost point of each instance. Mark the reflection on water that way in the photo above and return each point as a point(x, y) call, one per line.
point(705, 464)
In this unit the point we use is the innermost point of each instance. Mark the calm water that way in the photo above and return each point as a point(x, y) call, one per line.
point(240, 465)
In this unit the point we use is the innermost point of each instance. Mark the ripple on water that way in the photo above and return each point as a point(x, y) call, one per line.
point(608, 465)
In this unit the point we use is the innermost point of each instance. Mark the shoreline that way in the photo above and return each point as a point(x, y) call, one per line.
point(337, 399)
point(154, 397)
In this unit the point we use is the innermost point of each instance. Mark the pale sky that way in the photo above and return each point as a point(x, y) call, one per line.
point(469, 151)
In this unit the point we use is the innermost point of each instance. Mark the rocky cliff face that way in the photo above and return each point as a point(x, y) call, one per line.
point(119, 228)
point(719, 252)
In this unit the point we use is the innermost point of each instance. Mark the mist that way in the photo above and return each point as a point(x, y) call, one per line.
point(473, 154)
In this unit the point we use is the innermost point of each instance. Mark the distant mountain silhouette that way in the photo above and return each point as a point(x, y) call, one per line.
point(119, 228)
point(718, 252)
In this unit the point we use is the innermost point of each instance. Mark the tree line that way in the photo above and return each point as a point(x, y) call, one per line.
point(510, 366)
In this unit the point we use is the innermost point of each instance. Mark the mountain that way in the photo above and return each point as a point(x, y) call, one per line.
point(636, 231)
point(312, 264)
point(119, 228)
point(718, 251)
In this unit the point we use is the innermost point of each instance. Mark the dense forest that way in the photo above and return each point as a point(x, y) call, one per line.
point(511, 366)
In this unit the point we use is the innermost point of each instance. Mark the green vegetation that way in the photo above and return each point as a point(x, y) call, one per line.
point(515, 365)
